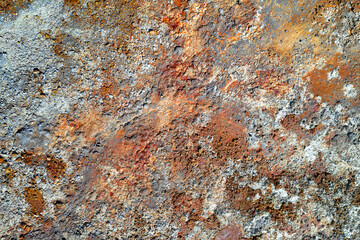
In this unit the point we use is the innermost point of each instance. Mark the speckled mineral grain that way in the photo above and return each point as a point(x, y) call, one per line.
point(179, 119)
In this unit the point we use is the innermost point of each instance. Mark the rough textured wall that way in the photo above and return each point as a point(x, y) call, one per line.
point(175, 119)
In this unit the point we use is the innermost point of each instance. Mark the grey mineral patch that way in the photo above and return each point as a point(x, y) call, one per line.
point(257, 225)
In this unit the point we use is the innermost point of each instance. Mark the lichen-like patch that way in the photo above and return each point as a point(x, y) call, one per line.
point(12, 6)
point(34, 198)
point(55, 167)
point(10, 173)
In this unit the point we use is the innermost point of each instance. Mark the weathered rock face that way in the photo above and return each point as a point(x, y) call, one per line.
point(175, 119)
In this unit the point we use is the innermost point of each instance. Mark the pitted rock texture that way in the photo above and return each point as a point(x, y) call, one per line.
point(179, 119)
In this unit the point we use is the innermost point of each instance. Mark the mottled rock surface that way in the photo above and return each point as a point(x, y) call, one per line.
point(179, 119)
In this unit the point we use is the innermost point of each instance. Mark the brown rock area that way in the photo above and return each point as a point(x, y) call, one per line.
point(179, 119)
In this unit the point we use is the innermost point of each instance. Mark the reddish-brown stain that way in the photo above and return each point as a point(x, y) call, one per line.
point(25, 227)
point(290, 122)
point(356, 6)
point(105, 14)
point(71, 2)
point(55, 167)
point(212, 222)
point(229, 137)
point(271, 81)
point(181, 3)
point(317, 171)
point(28, 158)
point(242, 11)
point(330, 90)
point(34, 198)
point(319, 85)
point(10, 173)
point(231, 232)
point(6, 4)
point(356, 200)
point(131, 149)
point(183, 203)
point(242, 198)
point(12, 6)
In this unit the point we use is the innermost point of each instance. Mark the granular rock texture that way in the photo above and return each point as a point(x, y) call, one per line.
point(179, 119)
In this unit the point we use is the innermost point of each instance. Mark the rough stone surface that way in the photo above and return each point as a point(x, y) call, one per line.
point(179, 119)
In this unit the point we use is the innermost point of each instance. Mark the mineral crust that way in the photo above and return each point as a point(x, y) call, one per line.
point(179, 119)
